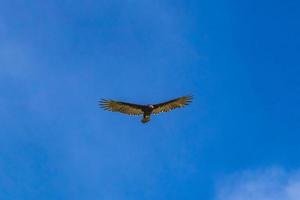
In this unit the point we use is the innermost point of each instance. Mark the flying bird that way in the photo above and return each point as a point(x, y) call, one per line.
point(145, 110)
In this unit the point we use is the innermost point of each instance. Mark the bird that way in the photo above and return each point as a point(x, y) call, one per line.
point(145, 110)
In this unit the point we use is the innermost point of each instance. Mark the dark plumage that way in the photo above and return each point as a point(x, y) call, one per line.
point(145, 110)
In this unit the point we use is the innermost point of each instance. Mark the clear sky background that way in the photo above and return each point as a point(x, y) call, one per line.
point(238, 140)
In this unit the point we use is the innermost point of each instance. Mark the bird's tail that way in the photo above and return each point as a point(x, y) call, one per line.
point(145, 119)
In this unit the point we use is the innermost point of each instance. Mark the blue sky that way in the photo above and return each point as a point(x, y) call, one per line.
point(240, 135)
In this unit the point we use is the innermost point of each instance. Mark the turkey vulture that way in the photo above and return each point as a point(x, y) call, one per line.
point(145, 110)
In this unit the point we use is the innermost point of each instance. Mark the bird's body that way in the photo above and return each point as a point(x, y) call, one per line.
point(145, 110)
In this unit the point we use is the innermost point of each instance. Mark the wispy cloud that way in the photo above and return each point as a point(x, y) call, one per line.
point(269, 184)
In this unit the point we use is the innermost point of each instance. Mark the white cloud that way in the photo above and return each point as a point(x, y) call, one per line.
point(270, 184)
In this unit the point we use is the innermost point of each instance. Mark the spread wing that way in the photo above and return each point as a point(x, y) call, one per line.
point(172, 104)
point(123, 107)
